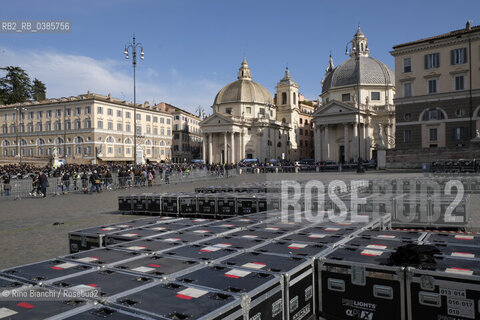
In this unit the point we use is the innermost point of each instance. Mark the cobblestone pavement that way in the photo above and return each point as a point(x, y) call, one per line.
point(28, 233)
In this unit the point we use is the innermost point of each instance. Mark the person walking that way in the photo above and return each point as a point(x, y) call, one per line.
point(6, 184)
point(95, 181)
point(43, 179)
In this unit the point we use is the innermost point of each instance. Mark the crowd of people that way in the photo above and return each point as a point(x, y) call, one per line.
point(93, 178)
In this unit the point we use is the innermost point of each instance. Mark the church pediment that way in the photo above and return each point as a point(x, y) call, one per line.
point(216, 119)
point(334, 108)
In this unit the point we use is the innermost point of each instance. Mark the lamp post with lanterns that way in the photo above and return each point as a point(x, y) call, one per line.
point(133, 47)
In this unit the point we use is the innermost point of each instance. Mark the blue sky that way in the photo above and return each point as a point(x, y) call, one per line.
point(194, 47)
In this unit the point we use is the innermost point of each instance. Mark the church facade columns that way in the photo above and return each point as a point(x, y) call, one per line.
point(316, 139)
point(204, 148)
point(346, 142)
point(210, 148)
point(355, 142)
point(232, 147)
point(326, 144)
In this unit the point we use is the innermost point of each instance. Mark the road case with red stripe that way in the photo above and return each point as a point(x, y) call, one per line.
point(293, 248)
point(103, 283)
point(183, 236)
point(394, 235)
point(158, 265)
point(25, 306)
point(232, 242)
point(101, 256)
point(264, 291)
point(356, 283)
point(179, 301)
point(451, 291)
point(297, 275)
point(463, 239)
point(48, 270)
point(133, 234)
point(252, 233)
point(201, 252)
point(459, 251)
point(100, 312)
point(146, 245)
point(376, 243)
point(319, 238)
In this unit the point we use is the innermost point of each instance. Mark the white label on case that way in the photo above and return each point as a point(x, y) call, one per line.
point(331, 229)
point(463, 255)
point(372, 253)
point(454, 293)
point(223, 245)
point(87, 259)
point(108, 229)
point(143, 269)
point(463, 237)
point(459, 271)
point(250, 236)
point(5, 312)
point(201, 231)
point(129, 234)
point(376, 246)
point(297, 246)
point(123, 225)
point(66, 265)
point(159, 228)
point(192, 292)
point(210, 249)
point(136, 248)
point(237, 273)
point(272, 228)
point(386, 236)
point(254, 265)
point(317, 236)
point(172, 239)
point(464, 308)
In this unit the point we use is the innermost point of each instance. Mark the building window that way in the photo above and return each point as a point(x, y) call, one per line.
point(78, 150)
point(110, 125)
point(460, 82)
point(284, 98)
point(99, 110)
point(155, 131)
point(434, 114)
point(48, 126)
point(68, 151)
point(228, 110)
point(294, 98)
point(139, 116)
point(432, 86)
point(407, 136)
point(39, 127)
point(155, 119)
point(68, 125)
point(88, 150)
point(345, 97)
point(458, 56)
point(459, 133)
point(128, 150)
point(120, 150)
point(78, 124)
point(433, 134)
point(39, 114)
point(249, 110)
point(87, 110)
point(301, 131)
point(139, 130)
point(407, 65)
point(407, 116)
point(119, 113)
point(261, 111)
point(119, 126)
point(59, 112)
point(162, 120)
point(88, 123)
point(168, 121)
point(128, 128)
point(110, 112)
point(78, 111)
point(432, 60)
point(375, 95)
point(149, 130)
point(407, 89)
point(148, 118)
point(100, 124)
point(127, 114)
point(30, 116)
point(49, 114)
point(460, 113)
point(68, 112)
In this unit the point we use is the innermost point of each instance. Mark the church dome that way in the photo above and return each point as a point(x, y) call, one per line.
point(372, 72)
point(360, 66)
point(244, 90)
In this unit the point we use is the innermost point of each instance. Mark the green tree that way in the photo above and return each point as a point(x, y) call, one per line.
point(15, 86)
point(39, 90)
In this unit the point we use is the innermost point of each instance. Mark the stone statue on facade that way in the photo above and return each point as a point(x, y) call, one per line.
point(381, 138)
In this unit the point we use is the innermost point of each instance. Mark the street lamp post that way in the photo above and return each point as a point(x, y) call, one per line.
point(133, 46)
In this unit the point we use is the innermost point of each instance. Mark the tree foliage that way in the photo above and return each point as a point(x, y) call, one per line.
point(16, 86)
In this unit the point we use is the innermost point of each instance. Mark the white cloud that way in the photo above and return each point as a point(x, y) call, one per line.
point(69, 75)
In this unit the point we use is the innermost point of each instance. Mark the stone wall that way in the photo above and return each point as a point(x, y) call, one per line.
point(413, 158)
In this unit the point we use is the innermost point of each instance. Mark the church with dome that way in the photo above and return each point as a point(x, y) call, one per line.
point(356, 117)
point(248, 123)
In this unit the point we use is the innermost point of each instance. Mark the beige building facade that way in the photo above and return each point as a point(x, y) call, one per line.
point(438, 91)
point(357, 115)
point(247, 123)
point(88, 128)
